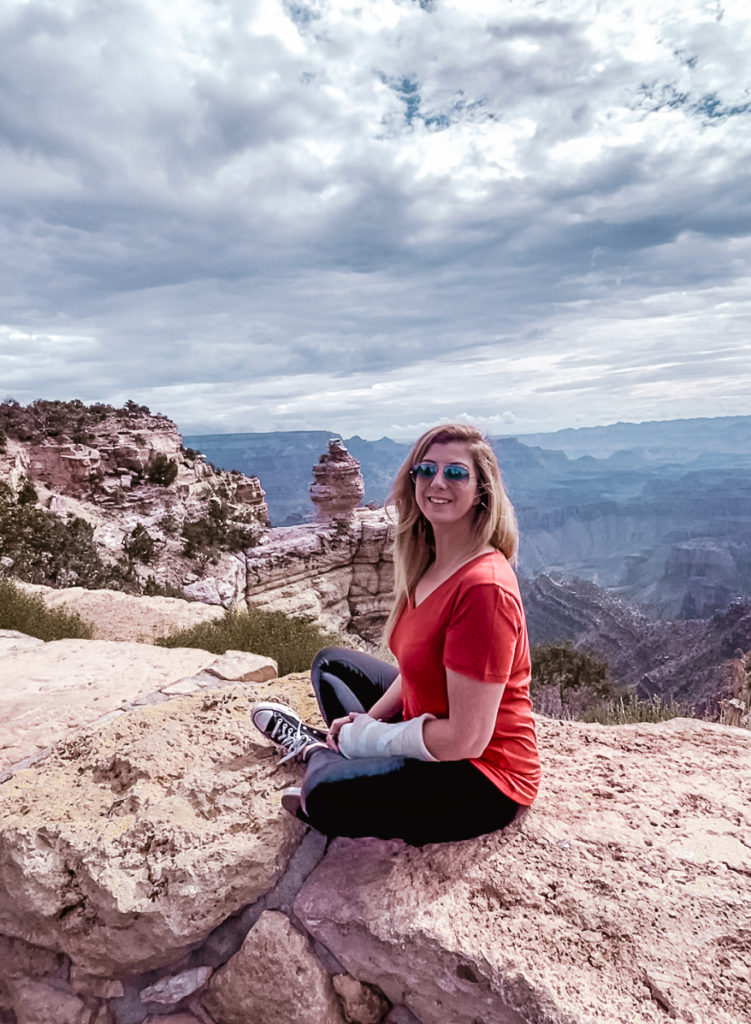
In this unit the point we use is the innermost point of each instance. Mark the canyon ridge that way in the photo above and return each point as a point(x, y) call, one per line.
point(137, 510)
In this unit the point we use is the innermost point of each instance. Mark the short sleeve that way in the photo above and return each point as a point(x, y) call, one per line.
point(483, 633)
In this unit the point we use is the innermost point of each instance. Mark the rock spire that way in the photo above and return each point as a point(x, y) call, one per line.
point(338, 486)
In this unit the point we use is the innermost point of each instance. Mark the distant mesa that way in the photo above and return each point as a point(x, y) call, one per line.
point(338, 486)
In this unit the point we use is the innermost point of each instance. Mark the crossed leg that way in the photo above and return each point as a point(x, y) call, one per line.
point(392, 797)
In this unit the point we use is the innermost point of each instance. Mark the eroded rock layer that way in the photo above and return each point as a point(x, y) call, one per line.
point(338, 486)
point(342, 575)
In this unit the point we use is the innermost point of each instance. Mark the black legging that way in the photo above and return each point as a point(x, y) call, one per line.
point(390, 797)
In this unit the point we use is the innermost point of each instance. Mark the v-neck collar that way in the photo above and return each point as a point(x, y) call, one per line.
point(414, 606)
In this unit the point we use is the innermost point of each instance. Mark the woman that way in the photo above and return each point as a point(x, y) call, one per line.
point(443, 746)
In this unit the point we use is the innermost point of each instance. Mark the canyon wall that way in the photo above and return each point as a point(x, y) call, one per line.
point(340, 574)
point(157, 513)
point(664, 520)
point(209, 540)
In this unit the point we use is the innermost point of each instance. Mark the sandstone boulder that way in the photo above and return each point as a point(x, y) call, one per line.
point(49, 690)
point(361, 1004)
point(129, 844)
point(274, 978)
point(622, 897)
point(147, 868)
point(38, 1003)
point(118, 616)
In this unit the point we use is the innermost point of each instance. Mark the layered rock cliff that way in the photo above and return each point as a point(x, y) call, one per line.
point(155, 510)
point(202, 532)
point(341, 575)
point(149, 874)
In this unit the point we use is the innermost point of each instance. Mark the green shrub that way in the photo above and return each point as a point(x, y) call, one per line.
point(162, 470)
point(27, 494)
point(70, 420)
point(566, 682)
point(43, 548)
point(140, 546)
point(225, 528)
point(168, 524)
point(132, 408)
point(153, 588)
point(29, 614)
point(572, 684)
point(628, 709)
point(293, 643)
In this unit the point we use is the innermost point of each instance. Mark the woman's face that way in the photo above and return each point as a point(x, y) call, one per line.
point(446, 501)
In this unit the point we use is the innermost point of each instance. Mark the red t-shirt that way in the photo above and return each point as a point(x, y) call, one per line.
point(474, 623)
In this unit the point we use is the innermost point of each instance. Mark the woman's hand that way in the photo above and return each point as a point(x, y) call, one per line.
point(332, 740)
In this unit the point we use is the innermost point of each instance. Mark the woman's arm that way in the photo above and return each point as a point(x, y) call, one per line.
point(386, 707)
point(473, 708)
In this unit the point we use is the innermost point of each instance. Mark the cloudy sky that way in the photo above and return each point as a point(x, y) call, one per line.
point(369, 215)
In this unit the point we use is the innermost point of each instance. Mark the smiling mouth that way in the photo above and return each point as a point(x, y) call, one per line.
point(439, 501)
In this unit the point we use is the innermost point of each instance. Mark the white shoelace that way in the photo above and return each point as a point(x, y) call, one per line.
point(293, 740)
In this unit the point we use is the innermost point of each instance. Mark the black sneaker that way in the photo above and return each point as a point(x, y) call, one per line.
point(280, 724)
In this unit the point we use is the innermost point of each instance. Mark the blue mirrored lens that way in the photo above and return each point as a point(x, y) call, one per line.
point(454, 472)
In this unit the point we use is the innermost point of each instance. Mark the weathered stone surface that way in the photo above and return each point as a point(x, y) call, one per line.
point(401, 1015)
point(173, 1018)
point(274, 978)
point(181, 689)
point(11, 641)
point(49, 690)
point(338, 486)
point(152, 844)
point(361, 1003)
point(118, 616)
point(622, 896)
point(171, 990)
point(71, 468)
point(205, 590)
point(35, 1002)
point(88, 984)
point(340, 575)
point(243, 667)
point(131, 843)
point(21, 963)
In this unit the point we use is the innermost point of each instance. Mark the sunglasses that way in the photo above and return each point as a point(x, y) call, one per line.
point(453, 472)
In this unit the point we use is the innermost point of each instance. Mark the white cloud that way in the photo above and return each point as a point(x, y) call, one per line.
point(355, 216)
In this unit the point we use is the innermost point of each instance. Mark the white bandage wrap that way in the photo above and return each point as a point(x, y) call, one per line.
point(366, 737)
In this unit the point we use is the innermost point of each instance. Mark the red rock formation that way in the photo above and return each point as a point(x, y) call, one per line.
point(338, 486)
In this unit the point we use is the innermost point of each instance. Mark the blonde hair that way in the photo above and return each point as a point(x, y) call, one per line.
point(494, 521)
